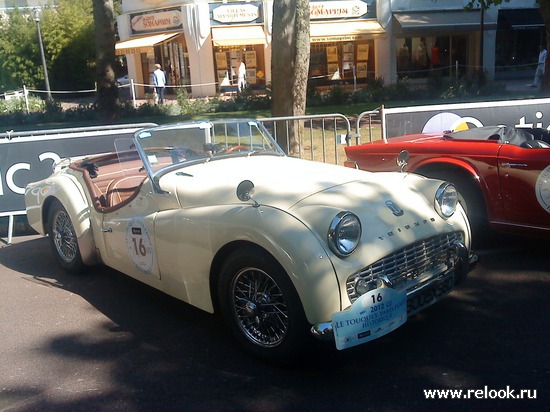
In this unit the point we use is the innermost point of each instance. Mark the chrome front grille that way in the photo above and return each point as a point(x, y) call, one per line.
point(409, 267)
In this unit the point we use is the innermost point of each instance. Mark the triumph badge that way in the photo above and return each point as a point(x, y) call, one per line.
point(396, 210)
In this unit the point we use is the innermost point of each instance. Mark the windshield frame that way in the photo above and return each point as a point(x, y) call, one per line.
point(202, 144)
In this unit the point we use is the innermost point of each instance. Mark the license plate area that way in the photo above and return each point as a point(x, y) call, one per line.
point(430, 293)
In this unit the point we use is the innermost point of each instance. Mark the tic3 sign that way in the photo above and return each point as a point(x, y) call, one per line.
point(29, 156)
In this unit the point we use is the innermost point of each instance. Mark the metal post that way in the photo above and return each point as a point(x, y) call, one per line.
point(26, 93)
point(36, 13)
point(10, 229)
point(383, 123)
point(133, 88)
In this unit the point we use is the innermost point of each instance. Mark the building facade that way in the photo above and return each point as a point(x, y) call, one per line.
point(6, 5)
point(201, 44)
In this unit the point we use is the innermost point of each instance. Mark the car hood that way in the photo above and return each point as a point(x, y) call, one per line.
point(285, 182)
point(395, 209)
point(279, 181)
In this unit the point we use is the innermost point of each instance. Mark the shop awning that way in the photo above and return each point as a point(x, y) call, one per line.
point(344, 31)
point(522, 19)
point(238, 35)
point(442, 21)
point(142, 44)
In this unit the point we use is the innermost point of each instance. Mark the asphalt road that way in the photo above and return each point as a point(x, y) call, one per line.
point(102, 341)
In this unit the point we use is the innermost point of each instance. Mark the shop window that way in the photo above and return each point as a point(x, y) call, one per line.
point(341, 62)
point(227, 60)
point(517, 51)
point(173, 58)
point(176, 63)
point(421, 57)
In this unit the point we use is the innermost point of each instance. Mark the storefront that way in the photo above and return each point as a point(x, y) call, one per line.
point(238, 35)
point(201, 44)
point(440, 43)
point(342, 41)
point(156, 37)
point(520, 33)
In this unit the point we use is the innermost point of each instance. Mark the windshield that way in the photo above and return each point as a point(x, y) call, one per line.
point(165, 148)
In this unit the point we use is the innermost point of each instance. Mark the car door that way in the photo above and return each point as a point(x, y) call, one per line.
point(524, 177)
point(129, 238)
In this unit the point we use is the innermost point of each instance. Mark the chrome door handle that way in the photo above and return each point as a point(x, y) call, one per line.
point(108, 230)
point(514, 164)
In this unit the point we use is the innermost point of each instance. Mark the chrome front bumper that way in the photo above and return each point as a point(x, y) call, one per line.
point(426, 294)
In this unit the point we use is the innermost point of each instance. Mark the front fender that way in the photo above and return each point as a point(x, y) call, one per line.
point(299, 251)
point(68, 191)
point(190, 240)
point(444, 162)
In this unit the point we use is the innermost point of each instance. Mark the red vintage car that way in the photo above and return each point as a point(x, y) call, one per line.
point(502, 173)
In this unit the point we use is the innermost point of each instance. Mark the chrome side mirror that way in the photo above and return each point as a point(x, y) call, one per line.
point(245, 190)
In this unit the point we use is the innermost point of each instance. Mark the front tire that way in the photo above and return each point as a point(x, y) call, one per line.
point(261, 307)
point(63, 238)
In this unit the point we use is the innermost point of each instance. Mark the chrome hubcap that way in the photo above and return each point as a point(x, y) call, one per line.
point(260, 307)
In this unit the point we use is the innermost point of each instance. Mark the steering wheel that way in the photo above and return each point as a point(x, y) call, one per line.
point(237, 148)
point(179, 154)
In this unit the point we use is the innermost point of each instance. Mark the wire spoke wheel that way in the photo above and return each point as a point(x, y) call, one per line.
point(260, 307)
point(64, 237)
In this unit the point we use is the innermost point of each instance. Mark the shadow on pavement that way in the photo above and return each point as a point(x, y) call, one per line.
point(145, 351)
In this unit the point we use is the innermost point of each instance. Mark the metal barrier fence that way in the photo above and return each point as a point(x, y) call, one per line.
point(323, 140)
point(375, 122)
point(324, 136)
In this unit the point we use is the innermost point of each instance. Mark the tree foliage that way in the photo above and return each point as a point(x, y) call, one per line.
point(67, 28)
point(484, 4)
point(19, 52)
point(70, 46)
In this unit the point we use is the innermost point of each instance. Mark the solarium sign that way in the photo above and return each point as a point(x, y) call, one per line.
point(157, 21)
point(326, 10)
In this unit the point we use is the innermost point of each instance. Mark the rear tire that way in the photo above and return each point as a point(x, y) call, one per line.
point(63, 238)
point(261, 307)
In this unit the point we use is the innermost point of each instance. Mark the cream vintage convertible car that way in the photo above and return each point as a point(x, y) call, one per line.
point(215, 214)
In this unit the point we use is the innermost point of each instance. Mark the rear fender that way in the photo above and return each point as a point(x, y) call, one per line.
point(68, 191)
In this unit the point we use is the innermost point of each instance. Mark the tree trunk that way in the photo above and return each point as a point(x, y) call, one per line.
point(289, 68)
point(107, 90)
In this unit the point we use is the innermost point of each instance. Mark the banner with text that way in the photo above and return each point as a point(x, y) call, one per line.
point(527, 114)
point(29, 156)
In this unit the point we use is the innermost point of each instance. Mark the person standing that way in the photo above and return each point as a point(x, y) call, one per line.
point(159, 79)
point(241, 76)
point(539, 73)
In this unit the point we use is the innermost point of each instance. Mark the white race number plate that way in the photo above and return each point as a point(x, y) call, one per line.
point(373, 315)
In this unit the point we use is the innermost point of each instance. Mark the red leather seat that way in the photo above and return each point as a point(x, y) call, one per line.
point(121, 189)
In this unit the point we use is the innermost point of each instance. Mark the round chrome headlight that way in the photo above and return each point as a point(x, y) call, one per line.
point(446, 199)
point(344, 233)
